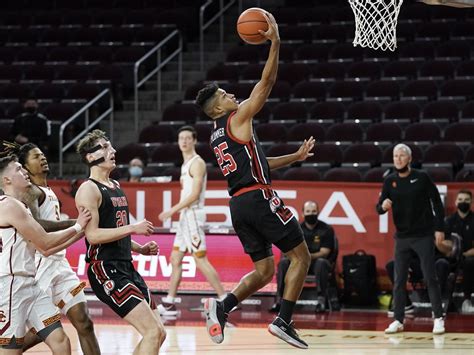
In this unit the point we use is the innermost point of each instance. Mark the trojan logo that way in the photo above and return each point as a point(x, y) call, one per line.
point(316, 239)
point(394, 184)
point(2, 317)
point(109, 286)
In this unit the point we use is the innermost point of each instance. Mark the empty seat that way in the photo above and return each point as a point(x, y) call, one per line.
point(246, 53)
point(296, 33)
point(351, 132)
point(418, 50)
point(469, 156)
point(302, 174)
point(465, 70)
point(40, 73)
point(302, 131)
point(388, 89)
point(325, 155)
point(343, 175)
point(331, 33)
point(271, 132)
point(459, 132)
point(465, 175)
point(180, 112)
point(290, 111)
point(375, 174)
point(281, 91)
point(59, 36)
point(74, 72)
point(365, 111)
point(50, 91)
point(440, 174)
point(83, 91)
point(64, 54)
point(421, 89)
point(453, 49)
point(328, 111)
point(364, 70)
point(405, 70)
point(346, 52)
point(32, 54)
point(402, 110)
point(59, 111)
point(384, 132)
point(282, 149)
point(309, 90)
point(332, 71)
point(423, 131)
point(251, 72)
point(264, 114)
point(440, 69)
point(10, 73)
point(129, 54)
point(293, 73)
point(222, 72)
point(7, 54)
point(112, 73)
point(128, 152)
point(15, 91)
point(312, 52)
point(109, 17)
point(351, 90)
point(157, 134)
point(443, 154)
point(97, 54)
point(119, 35)
point(458, 88)
point(203, 131)
point(441, 110)
point(363, 154)
point(468, 110)
point(167, 154)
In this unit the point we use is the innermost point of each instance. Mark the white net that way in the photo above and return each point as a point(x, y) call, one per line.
point(376, 23)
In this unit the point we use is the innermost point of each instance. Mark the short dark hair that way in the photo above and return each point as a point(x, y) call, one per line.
point(190, 129)
point(205, 94)
point(20, 151)
point(465, 191)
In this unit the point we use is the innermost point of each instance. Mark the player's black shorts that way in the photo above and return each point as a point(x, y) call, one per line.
point(258, 227)
point(119, 285)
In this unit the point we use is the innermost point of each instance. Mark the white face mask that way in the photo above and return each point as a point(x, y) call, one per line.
point(135, 171)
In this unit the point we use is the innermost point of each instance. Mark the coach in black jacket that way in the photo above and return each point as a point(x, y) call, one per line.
point(413, 197)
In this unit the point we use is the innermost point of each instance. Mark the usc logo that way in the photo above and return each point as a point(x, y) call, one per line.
point(2, 317)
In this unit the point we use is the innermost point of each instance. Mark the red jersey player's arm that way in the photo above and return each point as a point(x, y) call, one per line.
point(301, 154)
point(88, 196)
point(13, 213)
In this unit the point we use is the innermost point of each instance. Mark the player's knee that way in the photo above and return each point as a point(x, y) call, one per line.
point(84, 325)
point(266, 274)
point(61, 343)
point(155, 335)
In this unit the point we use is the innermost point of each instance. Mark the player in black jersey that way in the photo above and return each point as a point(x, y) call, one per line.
point(259, 216)
point(111, 273)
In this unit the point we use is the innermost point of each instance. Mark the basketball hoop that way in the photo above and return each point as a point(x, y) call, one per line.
point(376, 23)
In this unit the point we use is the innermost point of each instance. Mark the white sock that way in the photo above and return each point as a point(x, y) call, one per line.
point(168, 299)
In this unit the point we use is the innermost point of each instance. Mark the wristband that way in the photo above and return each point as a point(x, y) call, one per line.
point(77, 227)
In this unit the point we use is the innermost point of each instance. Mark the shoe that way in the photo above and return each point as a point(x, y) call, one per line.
point(410, 309)
point(438, 326)
point(275, 308)
point(215, 319)
point(394, 327)
point(286, 332)
point(467, 307)
point(167, 309)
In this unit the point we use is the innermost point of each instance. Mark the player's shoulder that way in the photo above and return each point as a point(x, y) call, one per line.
point(87, 187)
point(10, 204)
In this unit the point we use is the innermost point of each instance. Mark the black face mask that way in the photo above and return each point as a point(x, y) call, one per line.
point(402, 170)
point(464, 207)
point(31, 110)
point(311, 218)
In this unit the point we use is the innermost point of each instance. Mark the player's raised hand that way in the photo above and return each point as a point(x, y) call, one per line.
point(272, 32)
point(304, 151)
point(83, 217)
point(150, 248)
point(143, 227)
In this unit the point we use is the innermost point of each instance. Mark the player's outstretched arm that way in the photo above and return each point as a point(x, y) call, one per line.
point(300, 155)
point(89, 197)
point(14, 213)
point(261, 91)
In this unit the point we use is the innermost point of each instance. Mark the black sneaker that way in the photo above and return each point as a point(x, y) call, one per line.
point(275, 308)
point(286, 332)
point(215, 319)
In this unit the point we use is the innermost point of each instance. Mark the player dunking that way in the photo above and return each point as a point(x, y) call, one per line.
point(54, 274)
point(22, 302)
point(259, 217)
point(111, 273)
point(190, 235)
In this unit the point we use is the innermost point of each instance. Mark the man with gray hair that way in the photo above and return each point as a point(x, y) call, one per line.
point(413, 197)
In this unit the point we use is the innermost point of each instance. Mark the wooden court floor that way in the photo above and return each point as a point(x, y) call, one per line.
point(353, 332)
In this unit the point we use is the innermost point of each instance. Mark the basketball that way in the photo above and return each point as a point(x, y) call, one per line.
point(248, 24)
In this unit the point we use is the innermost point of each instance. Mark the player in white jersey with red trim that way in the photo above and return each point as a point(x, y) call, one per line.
point(54, 274)
point(190, 234)
point(22, 303)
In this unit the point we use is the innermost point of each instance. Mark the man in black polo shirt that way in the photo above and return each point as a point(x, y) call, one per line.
point(462, 223)
point(320, 238)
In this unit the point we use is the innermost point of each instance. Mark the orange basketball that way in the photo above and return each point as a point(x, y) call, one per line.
point(248, 24)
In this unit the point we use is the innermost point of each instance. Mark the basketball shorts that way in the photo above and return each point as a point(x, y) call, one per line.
point(118, 285)
point(260, 219)
point(24, 306)
point(55, 276)
point(190, 234)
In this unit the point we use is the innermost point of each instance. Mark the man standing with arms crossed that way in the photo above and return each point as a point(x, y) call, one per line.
point(259, 216)
point(22, 303)
point(111, 273)
point(54, 274)
point(412, 197)
point(190, 234)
